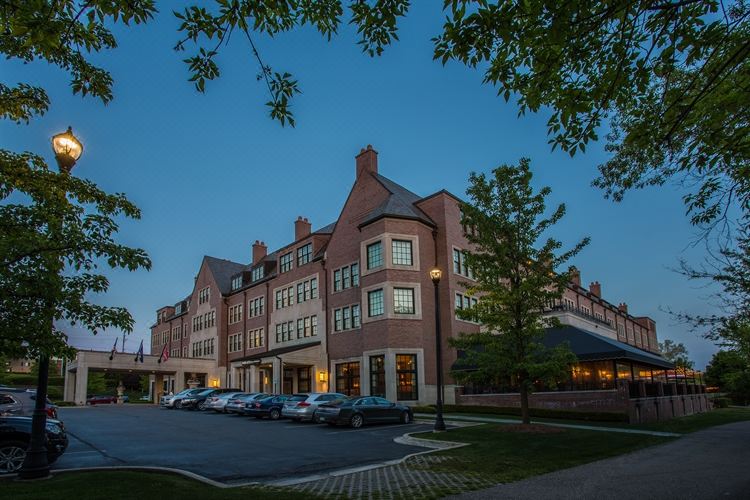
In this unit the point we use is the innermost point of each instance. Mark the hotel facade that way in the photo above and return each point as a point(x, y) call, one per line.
point(350, 307)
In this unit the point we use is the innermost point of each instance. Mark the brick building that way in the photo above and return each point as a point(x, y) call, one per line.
point(350, 307)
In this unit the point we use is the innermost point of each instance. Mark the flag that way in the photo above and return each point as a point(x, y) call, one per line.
point(113, 351)
point(139, 354)
point(164, 354)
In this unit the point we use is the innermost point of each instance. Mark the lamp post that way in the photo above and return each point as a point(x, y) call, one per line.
point(435, 275)
point(67, 149)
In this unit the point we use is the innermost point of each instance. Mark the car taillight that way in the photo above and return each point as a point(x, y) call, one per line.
point(303, 404)
point(257, 405)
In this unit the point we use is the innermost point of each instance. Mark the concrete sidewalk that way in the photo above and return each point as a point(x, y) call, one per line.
point(704, 465)
point(498, 420)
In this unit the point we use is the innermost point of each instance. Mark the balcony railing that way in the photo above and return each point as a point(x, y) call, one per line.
point(580, 312)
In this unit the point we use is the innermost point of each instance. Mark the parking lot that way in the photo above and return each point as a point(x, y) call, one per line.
point(226, 448)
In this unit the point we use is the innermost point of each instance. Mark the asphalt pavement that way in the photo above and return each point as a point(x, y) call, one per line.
point(225, 448)
point(709, 464)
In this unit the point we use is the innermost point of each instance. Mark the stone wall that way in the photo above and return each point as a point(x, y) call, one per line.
point(679, 401)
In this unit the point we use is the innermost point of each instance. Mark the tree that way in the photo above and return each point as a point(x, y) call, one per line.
point(516, 280)
point(676, 353)
point(722, 366)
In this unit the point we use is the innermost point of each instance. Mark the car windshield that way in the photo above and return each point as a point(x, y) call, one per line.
point(205, 393)
point(297, 398)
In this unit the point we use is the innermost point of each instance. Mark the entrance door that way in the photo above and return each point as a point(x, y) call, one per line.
point(288, 384)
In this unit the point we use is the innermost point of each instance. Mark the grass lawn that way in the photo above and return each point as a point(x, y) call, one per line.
point(504, 456)
point(701, 421)
point(130, 484)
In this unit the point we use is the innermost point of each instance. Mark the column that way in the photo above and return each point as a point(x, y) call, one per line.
point(69, 387)
point(179, 382)
point(278, 368)
point(158, 387)
point(82, 382)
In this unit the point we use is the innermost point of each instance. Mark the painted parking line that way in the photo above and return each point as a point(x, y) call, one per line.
point(303, 426)
point(375, 429)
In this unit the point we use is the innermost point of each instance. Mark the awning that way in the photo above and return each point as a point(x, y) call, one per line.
point(587, 346)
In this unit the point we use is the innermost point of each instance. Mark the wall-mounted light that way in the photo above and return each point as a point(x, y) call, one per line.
point(215, 382)
point(323, 376)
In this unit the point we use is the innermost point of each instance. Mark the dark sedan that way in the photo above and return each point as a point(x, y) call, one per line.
point(360, 410)
point(15, 433)
point(270, 407)
point(101, 400)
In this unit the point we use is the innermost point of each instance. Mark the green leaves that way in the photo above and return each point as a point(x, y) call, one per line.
point(54, 240)
point(516, 278)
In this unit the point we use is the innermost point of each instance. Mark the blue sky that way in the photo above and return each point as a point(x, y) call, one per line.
point(212, 173)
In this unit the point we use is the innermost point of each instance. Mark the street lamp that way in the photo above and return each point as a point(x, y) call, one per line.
point(68, 150)
point(435, 275)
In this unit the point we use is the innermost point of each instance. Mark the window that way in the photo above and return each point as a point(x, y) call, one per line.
point(620, 330)
point(237, 282)
point(346, 277)
point(347, 378)
point(301, 327)
point(204, 295)
point(255, 307)
point(255, 338)
point(406, 372)
point(314, 288)
point(235, 314)
point(464, 302)
point(347, 318)
point(304, 254)
point(375, 303)
point(402, 253)
point(175, 352)
point(377, 376)
point(337, 280)
point(569, 303)
point(338, 324)
point(300, 292)
point(403, 300)
point(459, 264)
point(284, 297)
point(356, 321)
point(185, 332)
point(355, 274)
point(257, 273)
point(184, 352)
point(235, 342)
point(374, 255)
point(176, 333)
point(284, 331)
point(285, 262)
point(313, 325)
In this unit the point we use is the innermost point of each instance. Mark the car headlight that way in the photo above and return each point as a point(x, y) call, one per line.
point(53, 428)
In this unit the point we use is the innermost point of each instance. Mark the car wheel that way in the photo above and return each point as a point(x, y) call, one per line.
point(356, 421)
point(274, 414)
point(178, 405)
point(405, 417)
point(12, 455)
point(202, 406)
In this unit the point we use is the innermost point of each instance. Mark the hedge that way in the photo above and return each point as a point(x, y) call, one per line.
point(27, 379)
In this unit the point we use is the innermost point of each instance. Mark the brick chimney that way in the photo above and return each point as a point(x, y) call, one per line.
point(367, 161)
point(259, 251)
point(575, 275)
point(301, 228)
point(596, 289)
point(623, 307)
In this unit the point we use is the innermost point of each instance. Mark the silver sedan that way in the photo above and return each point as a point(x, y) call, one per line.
point(301, 408)
point(219, 402)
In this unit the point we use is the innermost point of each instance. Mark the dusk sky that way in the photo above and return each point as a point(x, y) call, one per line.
point(212, 173)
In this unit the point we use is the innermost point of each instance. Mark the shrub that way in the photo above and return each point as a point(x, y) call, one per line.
point(721, 402)
point(535, 412)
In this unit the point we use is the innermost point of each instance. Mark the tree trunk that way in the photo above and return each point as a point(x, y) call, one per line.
point(524, 403)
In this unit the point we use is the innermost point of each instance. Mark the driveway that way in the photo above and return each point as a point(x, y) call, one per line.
point(225, 448)
point(709, 464)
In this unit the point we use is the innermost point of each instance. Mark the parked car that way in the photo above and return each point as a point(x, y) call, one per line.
point(301, 408)
point(21, 402)
point(101, 400)
point(175, 400)
point(269, 406)
point(360, 410)
point(15, 433)
point(218, 402)
point(240, 402)
point(198, 400)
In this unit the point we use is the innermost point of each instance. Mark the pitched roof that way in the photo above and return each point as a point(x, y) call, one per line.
point(326, 229)
point(222, 271)
point(400, 203)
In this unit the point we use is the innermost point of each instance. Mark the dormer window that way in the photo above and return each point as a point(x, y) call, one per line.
point(178, 308)
point(237, 282)
point(257, 273)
